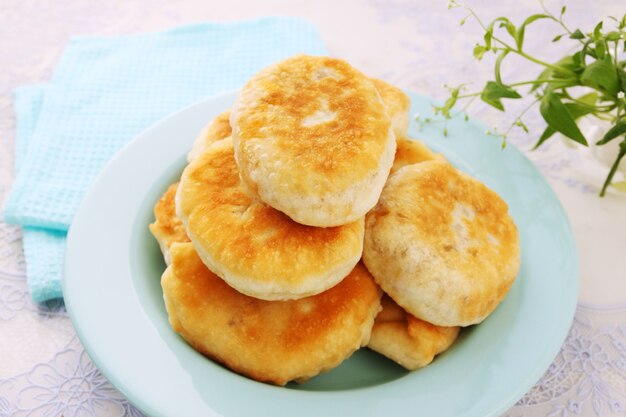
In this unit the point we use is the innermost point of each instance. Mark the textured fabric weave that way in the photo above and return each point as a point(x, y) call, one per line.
point(104, 92)
point(43, 248)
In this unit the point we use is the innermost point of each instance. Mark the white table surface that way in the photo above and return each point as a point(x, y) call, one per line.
point(416, 45)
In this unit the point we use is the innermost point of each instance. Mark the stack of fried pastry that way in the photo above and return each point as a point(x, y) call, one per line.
point(307, 225)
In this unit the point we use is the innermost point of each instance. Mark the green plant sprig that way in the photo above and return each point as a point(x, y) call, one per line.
point(597, 66)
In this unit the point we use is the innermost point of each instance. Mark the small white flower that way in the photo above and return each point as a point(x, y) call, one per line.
point(620, 95)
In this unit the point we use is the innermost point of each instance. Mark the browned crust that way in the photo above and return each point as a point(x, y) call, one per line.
point(273, 341)
point(251, 241)
point(167, 227)
point(275, 103)
point(217, 129)
point(459, 250)
point(407, 340)
point(412, 151)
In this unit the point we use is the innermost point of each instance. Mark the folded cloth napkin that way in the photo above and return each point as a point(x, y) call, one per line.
point(42, 247)
point(104, 92)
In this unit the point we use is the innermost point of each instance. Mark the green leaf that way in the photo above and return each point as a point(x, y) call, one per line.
point(565, 67)
point(558, 117)
point(557, 38)
point(576, 110)
point(564, 83)
point(444, 110)
point(511, 29)
point(601, 75)
point(519, 35)
point(544, 136)
point(479, 51)
point(622, 76)
point(504, 23)
point(613, 36)
point(612, 133)
point(600, 49)
point(597, 31)
point(447, 106)
point(535, 17)
point(493, 92)
point(577, 34)
point(563, 9)
point(586, 51)
point(589, 98)
point(488, 36)
point(546, 74)
point(560, 74)
point(497, 66)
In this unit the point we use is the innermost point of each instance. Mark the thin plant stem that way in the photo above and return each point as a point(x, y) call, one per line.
point(613, 170)
point(519, 116)
point(519, 51)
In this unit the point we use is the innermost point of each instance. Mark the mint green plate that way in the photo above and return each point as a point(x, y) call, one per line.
point(113, 295)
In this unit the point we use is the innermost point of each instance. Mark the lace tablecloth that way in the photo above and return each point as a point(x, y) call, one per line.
point(415, 44)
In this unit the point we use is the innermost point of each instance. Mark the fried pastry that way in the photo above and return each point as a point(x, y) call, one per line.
point(271, 341)
point(396, 103)
point(312, 139)
point(412, 151)
point(441, 244)
point(217, 129)
point(256, 249)
point(167, 227)
point(407, 340)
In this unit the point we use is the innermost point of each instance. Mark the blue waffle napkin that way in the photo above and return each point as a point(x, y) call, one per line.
point(43, 248)
point(103, 93)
